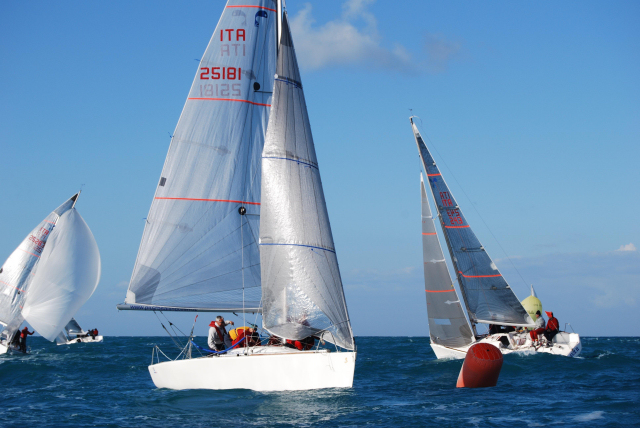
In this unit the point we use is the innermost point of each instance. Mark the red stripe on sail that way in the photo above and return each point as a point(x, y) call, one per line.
point(456, 227)
point(210, 200)
point(439, 291)
point(256, 7)
point(428, 233)
point(433, 175)
point(230, 99)
point(9, 285)
point(35, 255)
point(479, 276)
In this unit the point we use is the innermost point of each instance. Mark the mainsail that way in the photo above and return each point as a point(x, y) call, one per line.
point(487, 295)
point(301, 286)
point(199, 249)
point(447, 323)
point(17, 272)
point(67, 275)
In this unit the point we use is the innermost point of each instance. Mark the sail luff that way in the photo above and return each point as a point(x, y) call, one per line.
point(487, 294)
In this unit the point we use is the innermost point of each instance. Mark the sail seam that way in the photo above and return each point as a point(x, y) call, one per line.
point(229, 99)
point(293, 160)
point(301, 245)
point(255, 7)
point(209, 200)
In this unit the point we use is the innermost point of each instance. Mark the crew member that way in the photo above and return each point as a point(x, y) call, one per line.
point(252, 337)
point(553, 326)
point(539, 328)
point(218, 334)
point(23, 339)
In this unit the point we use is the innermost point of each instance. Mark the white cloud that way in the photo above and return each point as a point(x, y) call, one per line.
point(343, 42)
point(628, 247)
point(441, 52)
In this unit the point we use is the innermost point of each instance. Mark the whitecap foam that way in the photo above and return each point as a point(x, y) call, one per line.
point(589, 416)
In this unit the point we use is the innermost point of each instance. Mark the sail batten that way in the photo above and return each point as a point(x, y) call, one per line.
point(486, 294)
point(199, 248)
point(301, 285)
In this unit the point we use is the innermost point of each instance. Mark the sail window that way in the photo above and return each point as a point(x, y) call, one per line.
point(162, 181)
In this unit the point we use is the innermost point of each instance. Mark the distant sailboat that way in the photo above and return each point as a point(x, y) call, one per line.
point(240, 225)
point(46, 284)
point(73, 333)
point(487, 296)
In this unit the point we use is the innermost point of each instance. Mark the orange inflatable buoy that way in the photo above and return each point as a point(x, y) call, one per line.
point(481, 367)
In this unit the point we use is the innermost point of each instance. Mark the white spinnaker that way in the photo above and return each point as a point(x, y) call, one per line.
point(197, 250)
point(301, 286)
point(68, 274)
point(17, 272)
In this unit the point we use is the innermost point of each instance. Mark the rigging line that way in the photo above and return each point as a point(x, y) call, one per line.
point(172, 324)
point(165, 329)
point(476, 210)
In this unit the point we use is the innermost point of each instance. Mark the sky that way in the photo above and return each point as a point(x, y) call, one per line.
point(531, 109)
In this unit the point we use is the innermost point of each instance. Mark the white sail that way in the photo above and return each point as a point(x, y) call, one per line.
point(301, 287)
point(17, 272)
point(447, 323)
point(199, 249)
point(68, 274)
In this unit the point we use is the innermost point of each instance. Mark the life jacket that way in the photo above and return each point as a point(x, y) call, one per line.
point(296, 343)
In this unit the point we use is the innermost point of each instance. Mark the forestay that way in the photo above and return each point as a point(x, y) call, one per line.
point(447, 323)
point(68, 273)
point(488, 296)
point(17, 272)
point(301, 286)
point(199, 248)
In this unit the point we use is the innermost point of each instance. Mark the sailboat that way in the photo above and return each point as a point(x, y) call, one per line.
point(239, 222)
point(51, 274)
point(487, 296)
point(73, 333)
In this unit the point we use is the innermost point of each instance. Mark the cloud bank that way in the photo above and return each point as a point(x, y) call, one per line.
point(353, 39)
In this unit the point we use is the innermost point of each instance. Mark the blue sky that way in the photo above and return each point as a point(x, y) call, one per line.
point(532, 112)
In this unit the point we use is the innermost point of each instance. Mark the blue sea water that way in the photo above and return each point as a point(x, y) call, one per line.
point(398, 382)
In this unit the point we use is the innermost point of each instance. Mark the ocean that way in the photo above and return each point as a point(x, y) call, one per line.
point(398, 382)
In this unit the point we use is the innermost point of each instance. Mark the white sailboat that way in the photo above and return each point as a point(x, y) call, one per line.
point(51, 274)
point(487, 296)
point(238, 224)
point(73, 333)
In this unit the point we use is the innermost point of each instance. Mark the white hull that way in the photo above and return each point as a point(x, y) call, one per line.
point(87, 339)
point(261, 369)
point(564, 344)
point(3, 349)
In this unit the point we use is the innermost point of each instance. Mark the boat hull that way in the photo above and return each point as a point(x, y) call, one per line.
point(262, 369)
point(87, 339)
point(564, 344)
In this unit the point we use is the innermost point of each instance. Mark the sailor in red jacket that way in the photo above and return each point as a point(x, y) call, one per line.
point(553, 326)
point(23, 339)
point(539, 329)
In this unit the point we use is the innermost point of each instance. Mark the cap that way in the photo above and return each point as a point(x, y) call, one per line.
point(549, 314)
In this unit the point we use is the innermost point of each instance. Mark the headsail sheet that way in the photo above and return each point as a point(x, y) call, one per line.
point(301, 286)
point(68, 274)
point(487, 294)
point(447, 323)
point(19, 269)
point(199, 248)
